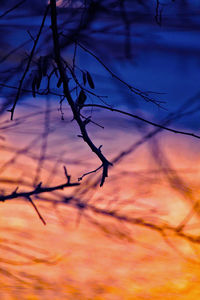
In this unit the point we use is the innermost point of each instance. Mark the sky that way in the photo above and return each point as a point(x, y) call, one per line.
point(137, 236)
point(164, 59)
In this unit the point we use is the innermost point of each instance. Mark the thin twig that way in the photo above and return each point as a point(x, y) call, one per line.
point(28, 64)
point(30, 91)
point(143, 120)
point(36, 209)
point(91, 172)
point(12, 8)
point(136, 91)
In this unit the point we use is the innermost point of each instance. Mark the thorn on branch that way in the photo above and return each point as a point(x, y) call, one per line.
point(15, 191)
point(38, 187)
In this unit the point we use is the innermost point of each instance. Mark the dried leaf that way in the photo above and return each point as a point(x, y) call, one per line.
point(81, 98)
point(90, 80)
point(84, 78)
point(45, 65)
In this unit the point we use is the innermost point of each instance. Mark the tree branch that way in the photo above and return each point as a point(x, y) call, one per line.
point(75, 111)
point(36, 209)
point(136, 91)
point(12, 8)
point(28, 64)
point(38, 190)
point(143, 120)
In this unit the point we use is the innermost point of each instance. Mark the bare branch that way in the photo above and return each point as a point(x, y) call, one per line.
point(65, 81)
point(136, 91)
point(91, 172)
point(30, 91)
point(28, 64)
point(143, 120)
point(12, 8)
point(36, 209)
point(38, 190)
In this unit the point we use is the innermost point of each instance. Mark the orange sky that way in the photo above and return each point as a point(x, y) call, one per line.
point(94, 256)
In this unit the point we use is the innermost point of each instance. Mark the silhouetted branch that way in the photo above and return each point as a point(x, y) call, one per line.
point(136, 91)
point(88, 173)
point(28, 64)
point(36, 209)
point(38, 190)
point(30, 91)
point(158, 16)
point(127, 26)
point(12, 8)
point(64, 79)
point(143, 120)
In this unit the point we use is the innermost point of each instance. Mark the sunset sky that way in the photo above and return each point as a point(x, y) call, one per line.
point(137, 237)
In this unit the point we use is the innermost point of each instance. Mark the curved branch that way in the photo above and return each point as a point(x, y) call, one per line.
point(143, 120)
point(75, 111)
